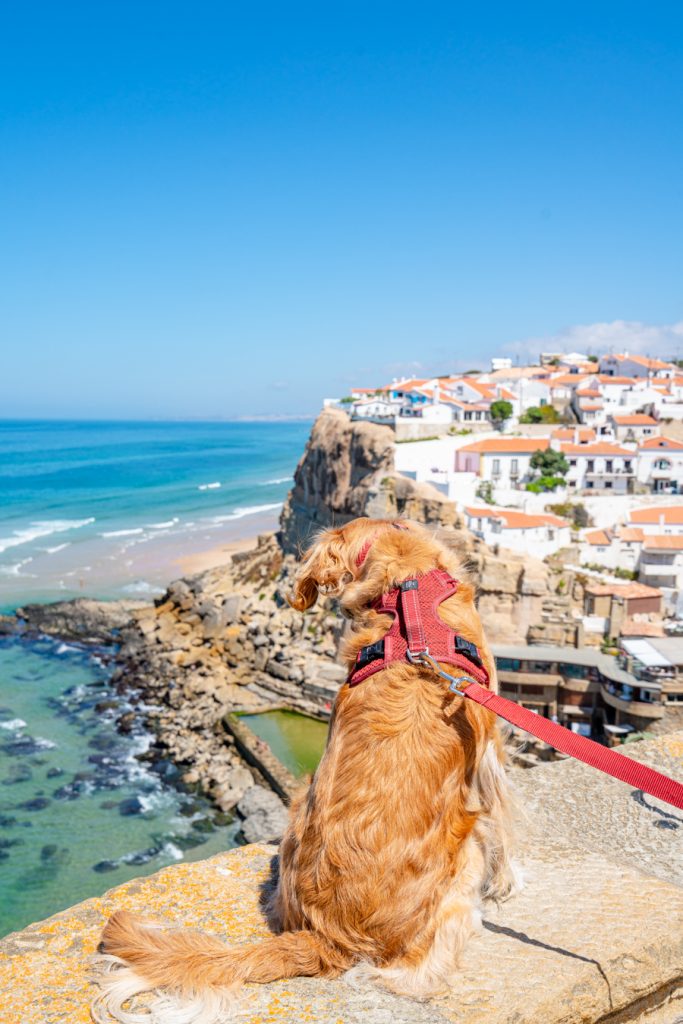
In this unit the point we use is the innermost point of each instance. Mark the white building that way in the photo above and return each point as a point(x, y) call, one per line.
point(661, 565)
point(503, 461)
point(635, 426)
point(379, 409)
point(599, 466)
point(615, 548)
point(500, 363)
point(538, 535)
point(625, 365)
point(660, 465)
point(662, 519)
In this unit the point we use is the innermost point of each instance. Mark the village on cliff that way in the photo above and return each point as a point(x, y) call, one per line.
point(577, 461)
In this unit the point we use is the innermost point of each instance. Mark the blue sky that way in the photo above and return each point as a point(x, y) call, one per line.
point(219, 209)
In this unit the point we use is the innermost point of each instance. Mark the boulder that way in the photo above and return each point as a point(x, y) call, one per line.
point(265, 815)
point(232, 788)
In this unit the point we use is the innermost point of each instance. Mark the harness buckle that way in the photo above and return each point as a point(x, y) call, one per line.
point(418, 657)
point(369, 653)
point(466, 647)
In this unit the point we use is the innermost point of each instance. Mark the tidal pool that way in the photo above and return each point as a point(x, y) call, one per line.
point(296, 740)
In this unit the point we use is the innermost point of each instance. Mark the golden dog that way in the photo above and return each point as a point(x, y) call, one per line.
point(404, 829)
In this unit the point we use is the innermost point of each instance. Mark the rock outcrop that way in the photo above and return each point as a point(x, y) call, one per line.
point(347, 470)
point(82, 620)
point(595, 935)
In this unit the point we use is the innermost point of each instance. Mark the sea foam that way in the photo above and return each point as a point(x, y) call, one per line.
point(122, 533)
point(42, 528)
point(248, 510)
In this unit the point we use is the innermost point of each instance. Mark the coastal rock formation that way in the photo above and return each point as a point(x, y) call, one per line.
point(347, 470)
point(83, 620)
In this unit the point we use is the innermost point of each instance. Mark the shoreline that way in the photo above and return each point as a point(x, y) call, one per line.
point(133, 570)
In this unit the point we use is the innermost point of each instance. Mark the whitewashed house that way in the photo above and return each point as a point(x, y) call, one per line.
point(378, 409)
point(502, 461)
point(636, 426)
point(661, 565)
point(599, 466)
point(660, 465)
point(625, 365)
point(615, 548)
point(538, 535)
point(663, 519)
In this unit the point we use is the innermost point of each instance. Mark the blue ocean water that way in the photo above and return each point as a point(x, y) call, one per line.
point(107, 509)
point(78, 500)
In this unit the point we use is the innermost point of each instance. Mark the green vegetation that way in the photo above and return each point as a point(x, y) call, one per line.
point(545, 483)
point(485, 492)
point(500, 411)
point(574, 511)
point(549, 462)
point(412, 440)
point(551, 467)
point(619, 572)
point(454, 432)
point(540, 414)
point(346, 400)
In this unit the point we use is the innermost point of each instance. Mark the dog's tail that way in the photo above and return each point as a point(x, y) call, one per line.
point(199, 969)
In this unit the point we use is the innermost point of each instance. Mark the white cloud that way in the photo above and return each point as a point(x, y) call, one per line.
point(659, 340)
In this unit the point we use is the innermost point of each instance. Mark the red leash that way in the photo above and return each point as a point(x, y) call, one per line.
point(605, 759)
point(433, 642)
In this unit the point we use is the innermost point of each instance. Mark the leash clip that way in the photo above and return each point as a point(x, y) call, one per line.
point(458, 684)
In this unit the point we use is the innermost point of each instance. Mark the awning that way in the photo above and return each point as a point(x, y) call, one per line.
point(645, 653)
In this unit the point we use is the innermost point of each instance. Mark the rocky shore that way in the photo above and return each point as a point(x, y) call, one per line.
point(226, 640)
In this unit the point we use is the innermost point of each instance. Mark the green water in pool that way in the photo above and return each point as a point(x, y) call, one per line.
point(296, 740)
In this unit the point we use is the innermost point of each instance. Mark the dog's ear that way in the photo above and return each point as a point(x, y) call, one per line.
point(324, 570)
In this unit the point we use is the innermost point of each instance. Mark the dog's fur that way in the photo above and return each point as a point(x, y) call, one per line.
point(405, 827)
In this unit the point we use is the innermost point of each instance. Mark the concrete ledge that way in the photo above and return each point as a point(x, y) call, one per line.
point(595, 936)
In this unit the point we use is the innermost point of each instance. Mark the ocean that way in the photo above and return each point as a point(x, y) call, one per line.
point(111, 509)
point(108, 510)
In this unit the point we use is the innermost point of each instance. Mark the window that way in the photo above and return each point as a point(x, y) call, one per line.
point(572, 462)
point(627, 466)
point(496, 467)
point(570, 671)
point(590, 466)
point(508, 664)
point(608, 466)
point(514, 467)
point(608, 485)
point(662, 464)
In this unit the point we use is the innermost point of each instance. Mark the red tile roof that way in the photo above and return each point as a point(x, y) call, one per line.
point(508, 445)
point(661, 444)
point(514, 520)
point(663, 542)
point(585, 434)
point(625, 590)
point(671, 515)
point(598, 448)
point(638, 419)
point(599, 537)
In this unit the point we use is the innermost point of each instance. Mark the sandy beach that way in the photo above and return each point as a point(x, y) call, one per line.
point(200, 561)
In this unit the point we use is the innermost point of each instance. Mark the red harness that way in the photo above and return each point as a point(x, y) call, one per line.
point(417, 629)
point(418, 636)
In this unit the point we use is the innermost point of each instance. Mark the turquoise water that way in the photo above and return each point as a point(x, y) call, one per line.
point(298, 741)
point(107, 509)
point(78, 812)
point(80, 500)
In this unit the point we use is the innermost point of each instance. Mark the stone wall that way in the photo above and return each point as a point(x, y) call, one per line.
point(595, 936)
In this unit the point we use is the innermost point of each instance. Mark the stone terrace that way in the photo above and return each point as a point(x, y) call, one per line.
point(596, 935)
